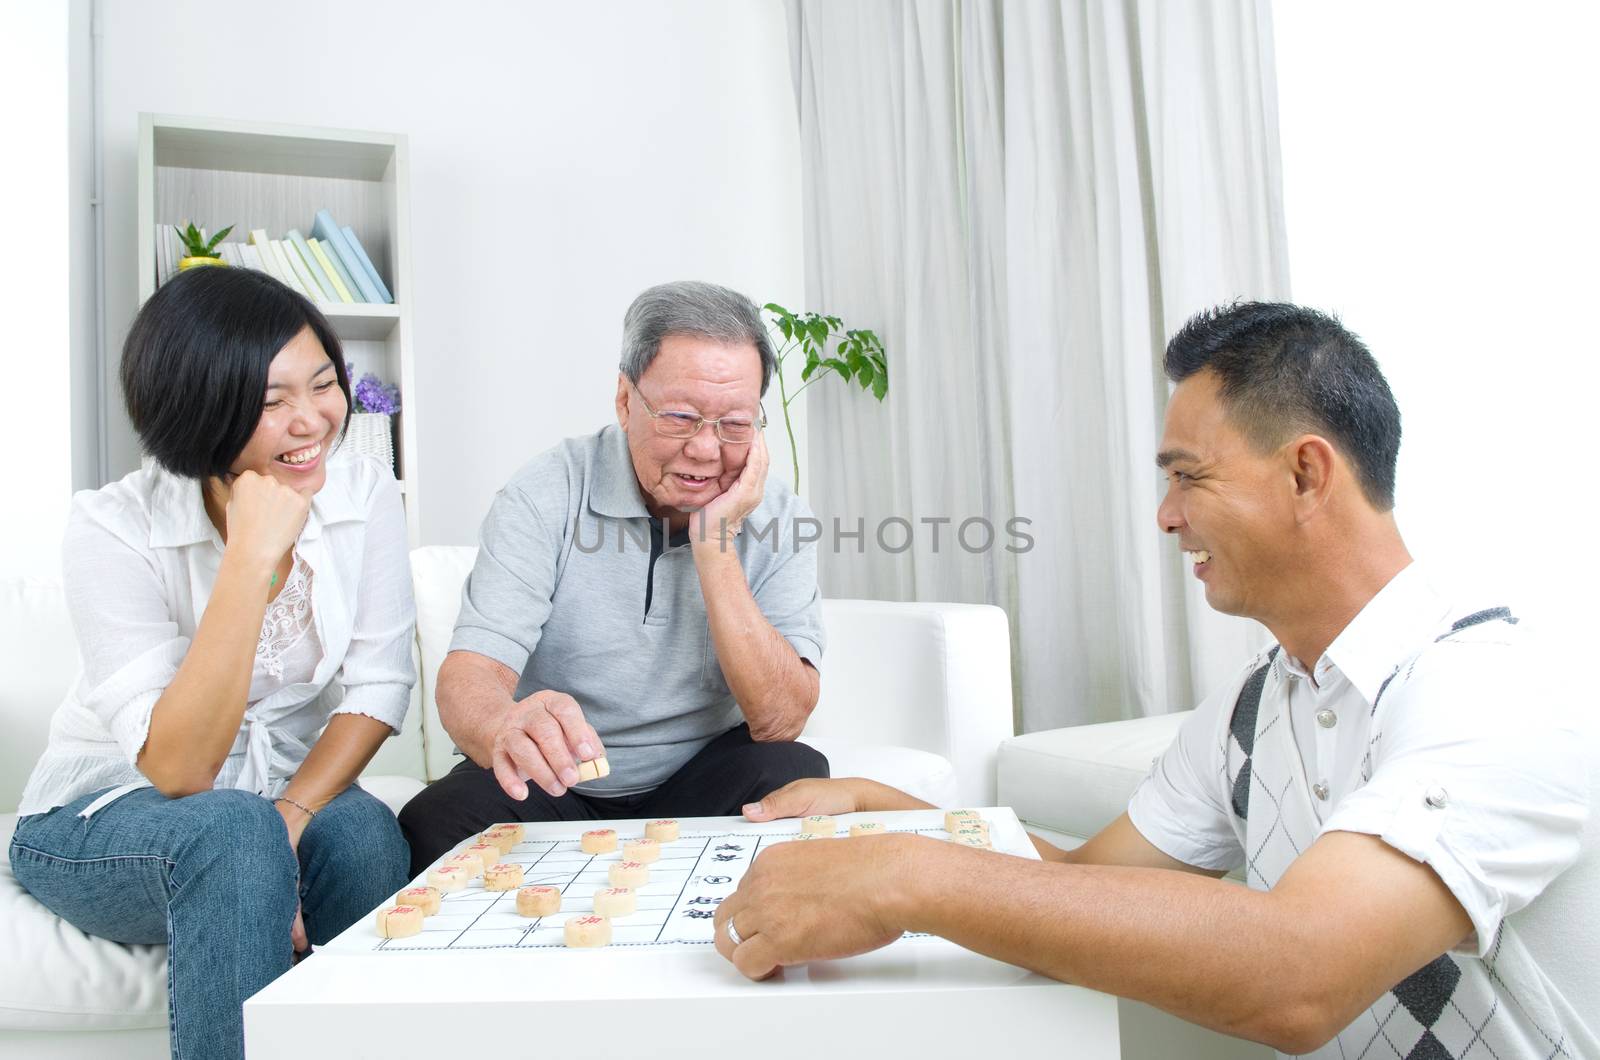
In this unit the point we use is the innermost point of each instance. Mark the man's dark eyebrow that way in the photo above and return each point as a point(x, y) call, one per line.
point(1168, 457)
point(285, 386)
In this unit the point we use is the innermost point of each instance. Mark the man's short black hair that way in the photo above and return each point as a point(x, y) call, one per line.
point(194, 367)
point(1285, 369)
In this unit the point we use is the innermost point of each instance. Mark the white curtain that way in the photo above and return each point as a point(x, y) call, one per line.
point(1025, 199)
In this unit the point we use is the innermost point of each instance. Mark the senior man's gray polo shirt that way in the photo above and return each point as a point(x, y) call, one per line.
point(558, 595)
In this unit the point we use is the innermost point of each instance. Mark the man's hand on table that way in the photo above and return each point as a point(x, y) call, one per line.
point(817, 900)
point(802, 798)
point(543, 739)
point(825, 898)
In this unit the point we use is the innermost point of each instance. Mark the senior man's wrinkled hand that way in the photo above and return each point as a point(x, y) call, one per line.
point(723, 516)
point(543, 739)
point(816, 900)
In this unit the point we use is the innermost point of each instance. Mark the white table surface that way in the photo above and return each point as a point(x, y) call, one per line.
point(922, 994)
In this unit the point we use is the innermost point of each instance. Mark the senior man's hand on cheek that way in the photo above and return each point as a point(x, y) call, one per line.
point(723, 516)
point(543, 740)
point(816, 900)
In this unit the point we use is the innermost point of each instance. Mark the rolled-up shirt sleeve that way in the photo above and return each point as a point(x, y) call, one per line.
point(506, 599)
point(377, 673)
point(1181, 807)
point(129, 645)
point(1477, 772)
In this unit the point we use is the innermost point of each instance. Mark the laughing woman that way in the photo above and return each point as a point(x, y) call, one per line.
point(244, 615)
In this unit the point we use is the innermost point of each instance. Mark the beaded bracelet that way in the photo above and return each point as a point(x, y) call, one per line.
point(302, 807)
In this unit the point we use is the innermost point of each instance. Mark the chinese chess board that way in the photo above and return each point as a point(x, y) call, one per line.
point(694, 874)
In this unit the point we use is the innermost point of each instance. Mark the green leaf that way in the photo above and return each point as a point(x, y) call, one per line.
point(219, 237)
point(858, 353)
point(819, 331)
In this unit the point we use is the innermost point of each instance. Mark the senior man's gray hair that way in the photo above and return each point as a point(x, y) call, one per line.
point(690, 307)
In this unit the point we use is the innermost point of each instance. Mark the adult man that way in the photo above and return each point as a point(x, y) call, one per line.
point(616, 611)
point(1367, 772)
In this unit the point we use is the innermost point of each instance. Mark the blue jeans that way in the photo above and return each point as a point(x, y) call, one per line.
point(212, 876)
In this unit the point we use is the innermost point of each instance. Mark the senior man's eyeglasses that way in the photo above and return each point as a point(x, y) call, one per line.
point(731, 430)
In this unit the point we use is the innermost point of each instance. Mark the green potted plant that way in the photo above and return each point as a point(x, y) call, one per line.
point(199, 250)
point(857, 354)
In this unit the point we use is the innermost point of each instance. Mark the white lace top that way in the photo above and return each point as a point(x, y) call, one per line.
point(288, 643)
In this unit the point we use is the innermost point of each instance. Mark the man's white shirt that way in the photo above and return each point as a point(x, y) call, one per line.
point(1442, 732)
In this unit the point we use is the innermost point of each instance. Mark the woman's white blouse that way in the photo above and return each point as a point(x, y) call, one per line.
point(141, 558)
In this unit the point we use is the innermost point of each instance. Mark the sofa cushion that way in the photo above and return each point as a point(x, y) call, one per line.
point(1078, 780)
point(393, 791)
point(58, 978)
point(437, 574)
point(88, 983)
point(39, 658)
point(928, 776)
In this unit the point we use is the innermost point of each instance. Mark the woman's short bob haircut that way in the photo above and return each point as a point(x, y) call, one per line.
point(194, 368)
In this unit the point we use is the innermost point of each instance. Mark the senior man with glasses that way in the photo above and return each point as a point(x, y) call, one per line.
point(616, 612)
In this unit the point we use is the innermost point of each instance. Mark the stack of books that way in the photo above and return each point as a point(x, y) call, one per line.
point(329, 266)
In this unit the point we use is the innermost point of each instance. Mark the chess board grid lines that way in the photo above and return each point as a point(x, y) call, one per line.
point(762, 840)
point(490, 905)
point(538, 924)
point(705, 846)
point(584, 864)
point(537, 920)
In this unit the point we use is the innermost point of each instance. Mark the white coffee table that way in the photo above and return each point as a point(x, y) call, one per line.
point(489, 978)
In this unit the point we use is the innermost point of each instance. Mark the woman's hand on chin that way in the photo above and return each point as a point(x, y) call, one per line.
point(264, 517)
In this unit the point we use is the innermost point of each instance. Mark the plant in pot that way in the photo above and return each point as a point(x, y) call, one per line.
point(198, 250)
point(856, 355)
point(371, 427)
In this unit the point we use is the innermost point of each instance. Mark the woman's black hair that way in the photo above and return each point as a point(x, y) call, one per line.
point(194, 367)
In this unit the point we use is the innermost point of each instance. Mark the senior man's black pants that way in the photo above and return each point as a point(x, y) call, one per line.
point(729, 772)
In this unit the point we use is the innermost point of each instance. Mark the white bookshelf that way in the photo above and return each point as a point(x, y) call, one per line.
point(216, 172)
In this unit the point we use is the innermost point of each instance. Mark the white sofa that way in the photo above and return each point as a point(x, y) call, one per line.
point(915, 695)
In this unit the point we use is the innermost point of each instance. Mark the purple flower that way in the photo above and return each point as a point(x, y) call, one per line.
point(374, 395)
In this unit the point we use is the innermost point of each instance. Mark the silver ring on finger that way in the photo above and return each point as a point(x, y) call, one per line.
point(733, 934)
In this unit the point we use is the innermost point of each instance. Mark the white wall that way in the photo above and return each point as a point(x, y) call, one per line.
point(34, 430)
point(1439, 174)
point(564, 157)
